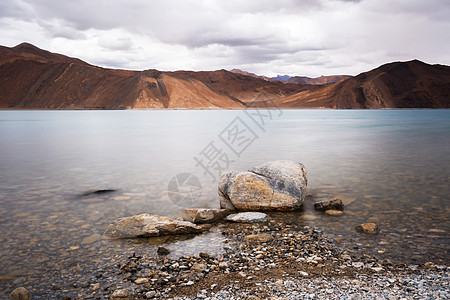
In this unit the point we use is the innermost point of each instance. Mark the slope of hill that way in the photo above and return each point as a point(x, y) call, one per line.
point(318, 80)
point(412, 84)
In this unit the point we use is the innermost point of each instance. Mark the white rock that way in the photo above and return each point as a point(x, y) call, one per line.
point(248, 217)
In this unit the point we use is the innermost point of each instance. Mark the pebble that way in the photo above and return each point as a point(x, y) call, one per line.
point(163, 251)
point(121, 294)
point(334, 212)
point(90, 239)
point(20, 293)
point(141, 280)
point(369, 228)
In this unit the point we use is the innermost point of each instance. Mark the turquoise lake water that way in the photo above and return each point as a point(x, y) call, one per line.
point(391, 167)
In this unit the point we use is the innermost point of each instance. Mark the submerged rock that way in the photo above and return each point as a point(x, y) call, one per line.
point(370, 228)
point(121, 294)
point(278, 185)
point(204, 215)
point(20, 293)
point(334, 212)
point(163, 251)
point(98, 192)
point(248, 217)
point(146, 225)
point(335, 204)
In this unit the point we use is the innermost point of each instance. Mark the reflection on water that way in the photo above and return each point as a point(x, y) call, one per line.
point(390, 166)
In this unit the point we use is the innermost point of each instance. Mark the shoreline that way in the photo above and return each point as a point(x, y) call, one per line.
point(261, 260)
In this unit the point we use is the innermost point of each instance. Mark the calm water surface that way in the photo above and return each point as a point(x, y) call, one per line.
point(389, 166)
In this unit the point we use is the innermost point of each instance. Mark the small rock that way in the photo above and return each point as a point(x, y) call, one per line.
point(96, 286)
point(242, 274)
point(248, 217)
point(120, 295)
point(20, 293)
point(90, 239)
point(150, 295)
point(224, 264)
point(98, 192)
point(141, 280)
point(199, 267)
point(262, 238)
point(334, 212)
point(204, 215)
point(369, 228)
point(335, 204)
point(145, 225)
point(163, 251)
point(190, 282)
point(304, 274)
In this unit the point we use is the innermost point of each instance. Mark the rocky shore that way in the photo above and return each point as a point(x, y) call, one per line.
point(262, 256)
point(269, 260)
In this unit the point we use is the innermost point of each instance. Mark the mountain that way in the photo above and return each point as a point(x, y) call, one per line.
point(246, 88)
point(412, 84)
point(318, 80)
point(282, 77)
point(32, 78)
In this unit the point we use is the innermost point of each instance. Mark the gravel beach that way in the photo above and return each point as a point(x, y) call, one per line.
point(271, 260)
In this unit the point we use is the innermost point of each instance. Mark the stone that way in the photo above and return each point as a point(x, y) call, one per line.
point(277, 185)
point(146, 225)
point(262, 238)
point(248, 217)
point(121, 294)
point(335, 204)
point(242, 274)
point(204, 215)
point(199, 267)
point(98, 192)
point(20, 293)
point(163, 251)
point(334, 212)
point(150, 295)
point(90, 239)
point(369, 228)
point(141, 280)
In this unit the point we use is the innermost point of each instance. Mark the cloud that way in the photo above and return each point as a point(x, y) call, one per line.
point(262, 36)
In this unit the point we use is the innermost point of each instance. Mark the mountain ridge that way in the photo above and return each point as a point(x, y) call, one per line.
point(33, 78)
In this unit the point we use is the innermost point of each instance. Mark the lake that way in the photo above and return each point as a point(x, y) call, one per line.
point(391, 167)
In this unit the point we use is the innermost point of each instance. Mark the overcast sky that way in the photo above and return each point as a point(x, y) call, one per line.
point(267, 37)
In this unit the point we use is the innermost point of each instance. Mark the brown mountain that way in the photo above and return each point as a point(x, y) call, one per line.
point(318, 80)
point(412, 84)
point(32, 78)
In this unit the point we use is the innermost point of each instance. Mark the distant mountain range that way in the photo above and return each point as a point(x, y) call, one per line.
point(32, 78)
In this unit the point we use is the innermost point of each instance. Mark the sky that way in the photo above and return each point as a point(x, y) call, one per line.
point(266, 37)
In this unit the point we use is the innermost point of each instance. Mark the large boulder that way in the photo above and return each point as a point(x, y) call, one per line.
point(146, 225)
point(278, 185)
